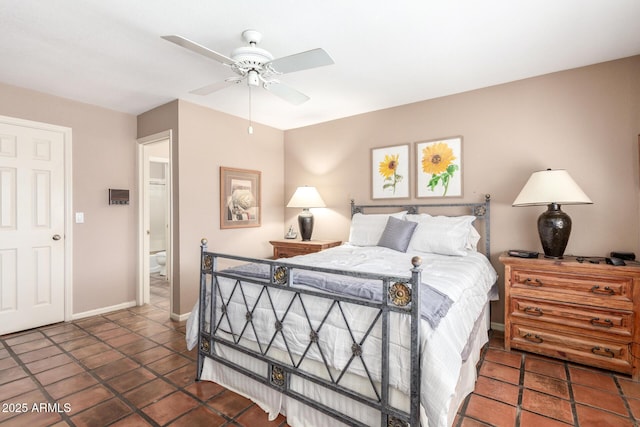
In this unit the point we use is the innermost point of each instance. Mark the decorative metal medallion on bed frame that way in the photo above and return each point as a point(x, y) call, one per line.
point(216, 330)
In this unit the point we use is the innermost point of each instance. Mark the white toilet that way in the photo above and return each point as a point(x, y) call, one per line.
point(154, 267)
point(161, 259)
point(158, 263)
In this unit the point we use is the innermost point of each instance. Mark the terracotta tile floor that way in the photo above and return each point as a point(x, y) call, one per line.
point(522, 389)
point(132, 368)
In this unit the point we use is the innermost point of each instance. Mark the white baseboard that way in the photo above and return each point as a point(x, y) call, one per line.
point(103, 310)
point(497, 326)
point(180, 317)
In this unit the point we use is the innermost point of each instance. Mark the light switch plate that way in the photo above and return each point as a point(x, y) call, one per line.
point(79, 217)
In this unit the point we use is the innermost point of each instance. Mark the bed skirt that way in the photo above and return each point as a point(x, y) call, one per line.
point(300, 415)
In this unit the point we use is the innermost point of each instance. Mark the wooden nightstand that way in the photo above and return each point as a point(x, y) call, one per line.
point(582, 312)
point(289, 247)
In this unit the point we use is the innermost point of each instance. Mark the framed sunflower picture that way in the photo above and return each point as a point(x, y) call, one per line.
point(439, 168)
point(390, 172)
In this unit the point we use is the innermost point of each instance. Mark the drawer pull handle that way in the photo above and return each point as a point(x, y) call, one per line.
point(603, 352)
point(603, 323)
point(530, 282)
point(533, 338)
point(533, 311)
point(602, 291)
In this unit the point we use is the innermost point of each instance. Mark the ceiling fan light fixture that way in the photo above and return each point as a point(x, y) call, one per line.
point(253, 78)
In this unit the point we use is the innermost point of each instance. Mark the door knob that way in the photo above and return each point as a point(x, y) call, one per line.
point(56, 237)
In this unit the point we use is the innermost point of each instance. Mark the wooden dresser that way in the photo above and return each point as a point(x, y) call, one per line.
point(287, 248)
point(582, 312)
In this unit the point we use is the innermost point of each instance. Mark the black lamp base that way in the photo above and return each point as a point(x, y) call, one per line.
point(305, 223)
point(554, 227)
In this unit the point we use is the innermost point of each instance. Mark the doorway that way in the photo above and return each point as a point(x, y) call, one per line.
point(156, 221)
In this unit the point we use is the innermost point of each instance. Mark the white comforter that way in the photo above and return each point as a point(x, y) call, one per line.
point(467, 280)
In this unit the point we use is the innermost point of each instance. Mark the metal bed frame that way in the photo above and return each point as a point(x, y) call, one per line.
point(402, 296)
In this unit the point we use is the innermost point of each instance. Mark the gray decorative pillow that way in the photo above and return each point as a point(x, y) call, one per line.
point(397, 234)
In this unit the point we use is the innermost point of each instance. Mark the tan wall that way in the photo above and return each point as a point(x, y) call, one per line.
point(104, 247)
point(585, 120)
point(160, 119)
point(207, 139)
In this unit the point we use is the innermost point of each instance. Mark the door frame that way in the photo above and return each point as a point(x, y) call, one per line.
point(143, 290)
point(68, 202)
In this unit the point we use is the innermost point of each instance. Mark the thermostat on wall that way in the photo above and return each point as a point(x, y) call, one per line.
point(118, 197)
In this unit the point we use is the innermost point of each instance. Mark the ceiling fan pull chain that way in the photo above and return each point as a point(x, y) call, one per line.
point(250, 129)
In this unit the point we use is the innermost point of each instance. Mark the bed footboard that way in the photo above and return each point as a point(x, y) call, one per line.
point(299, 333)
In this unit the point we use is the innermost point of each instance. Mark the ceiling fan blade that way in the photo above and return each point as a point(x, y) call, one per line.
point(213, 87)
point(301, 61)
point(198, 48)
point(287, 93)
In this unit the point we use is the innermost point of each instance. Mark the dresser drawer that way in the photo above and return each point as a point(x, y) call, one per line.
point(592, 320)
point(604, 288)
point(290, 252)
point(581, 349)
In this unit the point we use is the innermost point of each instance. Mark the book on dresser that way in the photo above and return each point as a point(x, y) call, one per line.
point(582, 310)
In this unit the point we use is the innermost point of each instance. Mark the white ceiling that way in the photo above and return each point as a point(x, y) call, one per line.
point(387, 53)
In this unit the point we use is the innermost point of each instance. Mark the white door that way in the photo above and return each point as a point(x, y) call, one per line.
point(32, 226)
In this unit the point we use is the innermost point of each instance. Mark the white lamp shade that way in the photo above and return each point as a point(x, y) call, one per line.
point(551, 186)
point(306, 197)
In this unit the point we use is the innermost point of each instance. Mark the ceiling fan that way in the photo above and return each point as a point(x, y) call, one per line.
point(258, 66)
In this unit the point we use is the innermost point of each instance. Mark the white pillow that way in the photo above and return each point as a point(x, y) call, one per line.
point(444, 235)
point(417, 217)
point(472, 239)
point(366, 229)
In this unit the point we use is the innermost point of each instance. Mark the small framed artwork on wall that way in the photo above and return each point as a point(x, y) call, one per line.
point(239, 198)
point(390, 172)
point(439, 168)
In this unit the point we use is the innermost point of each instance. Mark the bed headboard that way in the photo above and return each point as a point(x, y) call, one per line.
point(480, 210)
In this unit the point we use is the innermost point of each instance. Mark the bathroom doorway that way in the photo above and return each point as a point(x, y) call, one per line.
point(158, 187)
point(155, 220)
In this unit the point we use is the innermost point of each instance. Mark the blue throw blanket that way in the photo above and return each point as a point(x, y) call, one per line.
point(434, 303)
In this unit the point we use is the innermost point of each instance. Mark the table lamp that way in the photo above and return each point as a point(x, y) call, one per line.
point(552, 188)
point(305, 198)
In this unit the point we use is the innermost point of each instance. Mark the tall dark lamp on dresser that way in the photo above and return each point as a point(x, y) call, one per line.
point(306, 198)
point(552, 188)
